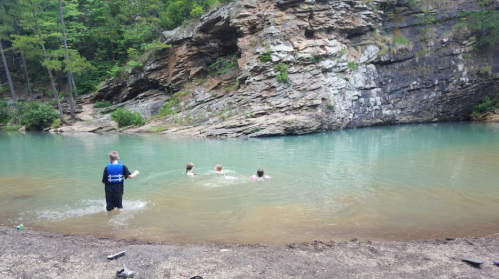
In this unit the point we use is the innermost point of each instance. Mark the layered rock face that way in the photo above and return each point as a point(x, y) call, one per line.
point(308, 66)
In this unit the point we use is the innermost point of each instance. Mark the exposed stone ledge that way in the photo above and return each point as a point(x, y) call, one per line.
point(340, 73)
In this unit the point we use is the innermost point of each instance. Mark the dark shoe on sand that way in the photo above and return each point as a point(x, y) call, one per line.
point(115, 256)
point(125, 273)
point(473, 262)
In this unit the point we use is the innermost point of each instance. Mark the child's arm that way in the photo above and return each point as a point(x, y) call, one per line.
point(134, 174)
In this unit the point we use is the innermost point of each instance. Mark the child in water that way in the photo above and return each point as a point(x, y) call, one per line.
point(113, 179)
point(189, 168)
point(259, 175)
point(218, 169)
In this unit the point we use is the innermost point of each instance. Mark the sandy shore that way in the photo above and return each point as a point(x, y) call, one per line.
point(32, 254)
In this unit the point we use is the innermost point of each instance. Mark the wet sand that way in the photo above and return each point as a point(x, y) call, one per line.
point(35, 254)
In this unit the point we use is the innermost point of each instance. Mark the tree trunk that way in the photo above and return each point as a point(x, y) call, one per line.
point(66, 57)
point(74, 85)
point(27, 77)
point(11, 85)
point(52, 82)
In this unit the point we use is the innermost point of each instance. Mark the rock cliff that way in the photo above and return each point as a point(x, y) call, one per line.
point(306, 66)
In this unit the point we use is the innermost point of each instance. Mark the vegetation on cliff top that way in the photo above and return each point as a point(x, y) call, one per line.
point(102, 36)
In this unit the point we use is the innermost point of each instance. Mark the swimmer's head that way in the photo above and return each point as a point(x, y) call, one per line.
point(259, 172)
point(189, 167)
point(218, 168)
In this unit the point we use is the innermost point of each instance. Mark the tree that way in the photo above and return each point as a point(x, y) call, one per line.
point(33, 5)
point(7, 72)
point(66, 57)
point(14, 11)
point(5, 30)
point(27, 47)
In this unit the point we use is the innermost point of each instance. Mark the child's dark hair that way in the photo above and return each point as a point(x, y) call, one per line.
point(189, 167)
point(259, 172)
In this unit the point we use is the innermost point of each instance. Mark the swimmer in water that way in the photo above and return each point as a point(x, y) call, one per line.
point(218, 169)
point(259, 175)
point(189, 168)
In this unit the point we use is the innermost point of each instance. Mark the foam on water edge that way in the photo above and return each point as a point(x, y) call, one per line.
point(85, 208)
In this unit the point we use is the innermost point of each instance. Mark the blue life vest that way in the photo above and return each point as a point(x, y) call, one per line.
point(115, 173)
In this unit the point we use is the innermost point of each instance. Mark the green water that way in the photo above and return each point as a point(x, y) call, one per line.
point(381, 183)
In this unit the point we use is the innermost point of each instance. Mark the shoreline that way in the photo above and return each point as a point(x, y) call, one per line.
point(37, 254)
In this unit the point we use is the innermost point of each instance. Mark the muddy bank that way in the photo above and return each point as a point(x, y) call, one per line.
point(31, 254)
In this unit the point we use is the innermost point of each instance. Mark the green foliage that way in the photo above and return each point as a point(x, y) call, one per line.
point(116, 71)
point(102, 104)
point(316, 58)
point(224, 64)
point(281, 70)
point(87, 81)
point(413, 3)
point(127, 118)
point(483, 22)
point(56, 123)
point(485, 2)
point(486, 69)
point(427, 17)
point(196, 12)
point(487, 104)
point(99, 34)
point(132, 64)
point(156, 129)
point(461, 26)
point(11, 127)
point(180, 11)
point(4, 112)
point(170, 106)
point(266, 56)
point(352, 65)
point(424, 52)
point(254, 42)
point(34, 115)
point(255, 130)
point(154, 45)
point(401, 41)
point(53, 103)
point(132, 53)
point(231, 86)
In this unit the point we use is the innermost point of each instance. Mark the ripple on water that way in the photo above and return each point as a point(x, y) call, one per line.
point(121, 220)
point(84, 208)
